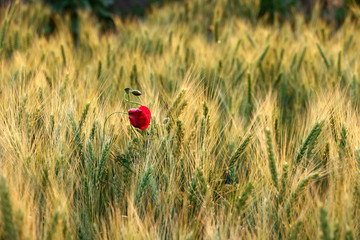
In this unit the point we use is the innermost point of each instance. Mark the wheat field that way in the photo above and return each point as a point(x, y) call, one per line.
point(254, 131)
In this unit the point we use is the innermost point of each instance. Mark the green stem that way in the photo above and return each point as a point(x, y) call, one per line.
point(135, 103)
point(107, 119)
point(128, 100)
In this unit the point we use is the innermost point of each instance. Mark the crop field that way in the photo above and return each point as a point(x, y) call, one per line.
point(254, 132)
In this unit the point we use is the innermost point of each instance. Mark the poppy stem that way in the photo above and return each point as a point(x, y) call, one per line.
point(135, 103)
point(129, 104)
point(129, 101)
point(125, 100)
point(107, 119)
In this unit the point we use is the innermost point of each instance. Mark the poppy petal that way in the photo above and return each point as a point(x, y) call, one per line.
point(146, 111)
point(140, 118)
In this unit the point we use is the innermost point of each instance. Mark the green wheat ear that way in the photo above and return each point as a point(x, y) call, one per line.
point(52, 123)
point(301, 58)
point(175, 110)
point(323, 55)
point(21, 109)
point(6, 211)
point(3, 32)
point(262, 56)
point(333, 125)
point(99, 70)
point(93, 130)
point(83, 116)
point(313, 141)
point(300, 188)
point(284, 181)
point(339, 64)
point(241, 202)
point(216, 31)
point(52, 226)
point(102, 164)
point(179, 138)
point(176, 103)
point(343, 137)
point(146, 183)
point(326, 155)
point(337, 230)
point(239, 151)
point(325, 229)
point(77, 140)
point(272, 163)
point(197, 189)
point(295, 229)
point(252, 41)
point(349, 235)
point(63, 55)
point(277, 134)
point(134, 77)
point(314, 133)
point(181, 108)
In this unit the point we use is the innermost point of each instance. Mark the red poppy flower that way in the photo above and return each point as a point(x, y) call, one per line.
point(140, 117)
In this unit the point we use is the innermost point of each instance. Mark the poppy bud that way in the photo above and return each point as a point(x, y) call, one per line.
point(165, 120)
point(136, 92)
point(127, 90)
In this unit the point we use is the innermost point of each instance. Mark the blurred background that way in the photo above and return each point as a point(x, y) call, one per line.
point(333, 12)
